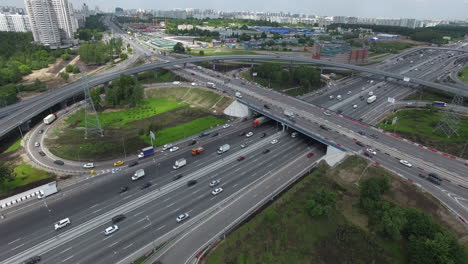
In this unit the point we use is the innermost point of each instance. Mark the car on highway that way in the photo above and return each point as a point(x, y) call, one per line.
point(133, 163)
point(263, 135)
point(359, 143)
point(266, 151)
point(242, 134)
point(266, 106)
point(240, 158)
point(193, 84)
point(62, 223)
point(249, 134)
point(41, 131)
point(118, 218)
point(226, 125)
point(167, 146)
point(193, 142)
point(371, 151)
point(406, 163)
point(89, 165)
point(324, 127)
point(215, 134)
point(175, 82)
point(123, 189)
point(178, 176)
point(374, 136)
point(354, 106)
point(362, 133)
point(173, 149)
point(217, 191)
point(310, 155)
point(327, 113)
point(33, 260)
point(191, 183)
point(214, 183)
point(182, 217)
point(349, 92)
point(274, 141)
point(59, 162)
point(146, 185)
point(118, 163)
point(41, 153)
point(111, 229)
point(36, 144)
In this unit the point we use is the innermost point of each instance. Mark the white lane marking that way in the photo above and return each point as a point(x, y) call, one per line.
point(214, 197)
point(167, 199)
point(126, 197)
point(14, 241)
point(17, 247)
point(128, 246)
point(237, 169)
point(235, 185)
point(67, 249)
point(146, 226)
point(175, 210)
point(141, 220)
point(169, 205)
point(201, 196)
point(97, 210)
point(94, 206)
point(137, 214)
point(161, 227)
point(68, 258)
point(113, 244)
point(255, 195)
point(196, 191)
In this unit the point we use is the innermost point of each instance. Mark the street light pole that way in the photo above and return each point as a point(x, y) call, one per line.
point(123, 144)
point(152, 232)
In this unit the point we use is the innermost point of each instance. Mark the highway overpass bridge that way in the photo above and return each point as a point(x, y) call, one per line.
point(19, 113)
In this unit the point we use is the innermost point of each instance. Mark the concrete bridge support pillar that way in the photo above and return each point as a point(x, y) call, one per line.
point(155, 74)
point(214, 66)
point(185, 65)
point(334, 156)
point(106, 86)
point(24, 127)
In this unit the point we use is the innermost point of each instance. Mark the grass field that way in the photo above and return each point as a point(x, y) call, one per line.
point(15, 146)
point(213, 51)
point(285, 233)
point(390, 46)
point(276, 86)
point(148, 107)
point(196, 126)
point(430, 94)
point(25, 174)
point(464, 75)
point(419, 125)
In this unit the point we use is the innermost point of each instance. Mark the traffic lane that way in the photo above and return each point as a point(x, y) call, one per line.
point(177, 199)
point(105, 192)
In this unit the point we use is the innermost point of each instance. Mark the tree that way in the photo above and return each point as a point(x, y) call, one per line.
point(322, 203)
point(178, 48)
point(245, 37)
point(69, 68)
point(244, 27)
point(24, 69)
point(76, 70)
point(123, 56)
point(201, 53)
point(95, 95)
point(129, 50)
point(263, 35)
point(125, 90)
point(393, 222)
point(65, 76)
point(6, 173)
point(66, 56)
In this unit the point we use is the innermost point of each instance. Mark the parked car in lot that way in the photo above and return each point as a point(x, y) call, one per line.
point(324, 127)
point(406, 163)
point(182, 217)
point(111, 229)
point(367, 154)
point(217, 191)
point(214, 183)
point(240, 158)
point(118, 163)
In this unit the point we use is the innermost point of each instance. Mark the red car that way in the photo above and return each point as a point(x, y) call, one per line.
point(242, 134)
point(241, 158)
point(310, 154)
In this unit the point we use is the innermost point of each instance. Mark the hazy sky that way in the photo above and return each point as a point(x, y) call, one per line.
point(421, 9)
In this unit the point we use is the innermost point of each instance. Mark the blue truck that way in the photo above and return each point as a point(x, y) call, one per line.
point(439, 103)
point(146, 152)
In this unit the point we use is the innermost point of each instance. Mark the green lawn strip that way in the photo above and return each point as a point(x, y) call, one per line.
point(464, 75)
point(147, 108)
point(211, 52)
point(431, 94)
point(25, 174)
point(285, 233)
point(195, 96)
point(172, 134)
point(15, 146)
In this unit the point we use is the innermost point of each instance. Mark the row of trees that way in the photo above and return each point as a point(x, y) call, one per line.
point(193, 32)
point(98, 52)
point(125, 90)
point(429, 34)
point(304, 76)
point(93, 28)
point(427, 241)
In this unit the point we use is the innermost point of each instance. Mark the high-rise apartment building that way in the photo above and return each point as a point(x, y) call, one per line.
point(14, 22)
point(52, 22)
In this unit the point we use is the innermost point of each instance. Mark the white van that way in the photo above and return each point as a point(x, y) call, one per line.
point(238, 95)
point(138, 174)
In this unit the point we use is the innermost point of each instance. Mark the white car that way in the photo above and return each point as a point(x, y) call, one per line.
point(349, 92)
point(406, 163)
point(371, 151)
point(182, 217)
point(249, 134)
point(214, 183)
point(62, 223)
point(88, 165)
point(167, 146)
point(354, 106)
point(193, 84)
point(217, 191)
point(111, 229)
point(274, 141)
point(327, 113)
point(36, 144)
point(175, 82)
point(174, 149)
point(226, 125)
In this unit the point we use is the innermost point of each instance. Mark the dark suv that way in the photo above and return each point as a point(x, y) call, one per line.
point(118, 218)
point(33, 260)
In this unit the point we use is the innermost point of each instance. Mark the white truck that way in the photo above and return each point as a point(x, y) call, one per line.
point(179, 163)
point(49, 119)
point(210, 85)
point(223, 148)
point(138, 174)
point(238, 95)
point(48, 189)
point(371, 99)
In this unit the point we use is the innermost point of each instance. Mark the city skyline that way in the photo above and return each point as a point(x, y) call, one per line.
point(418, 9)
